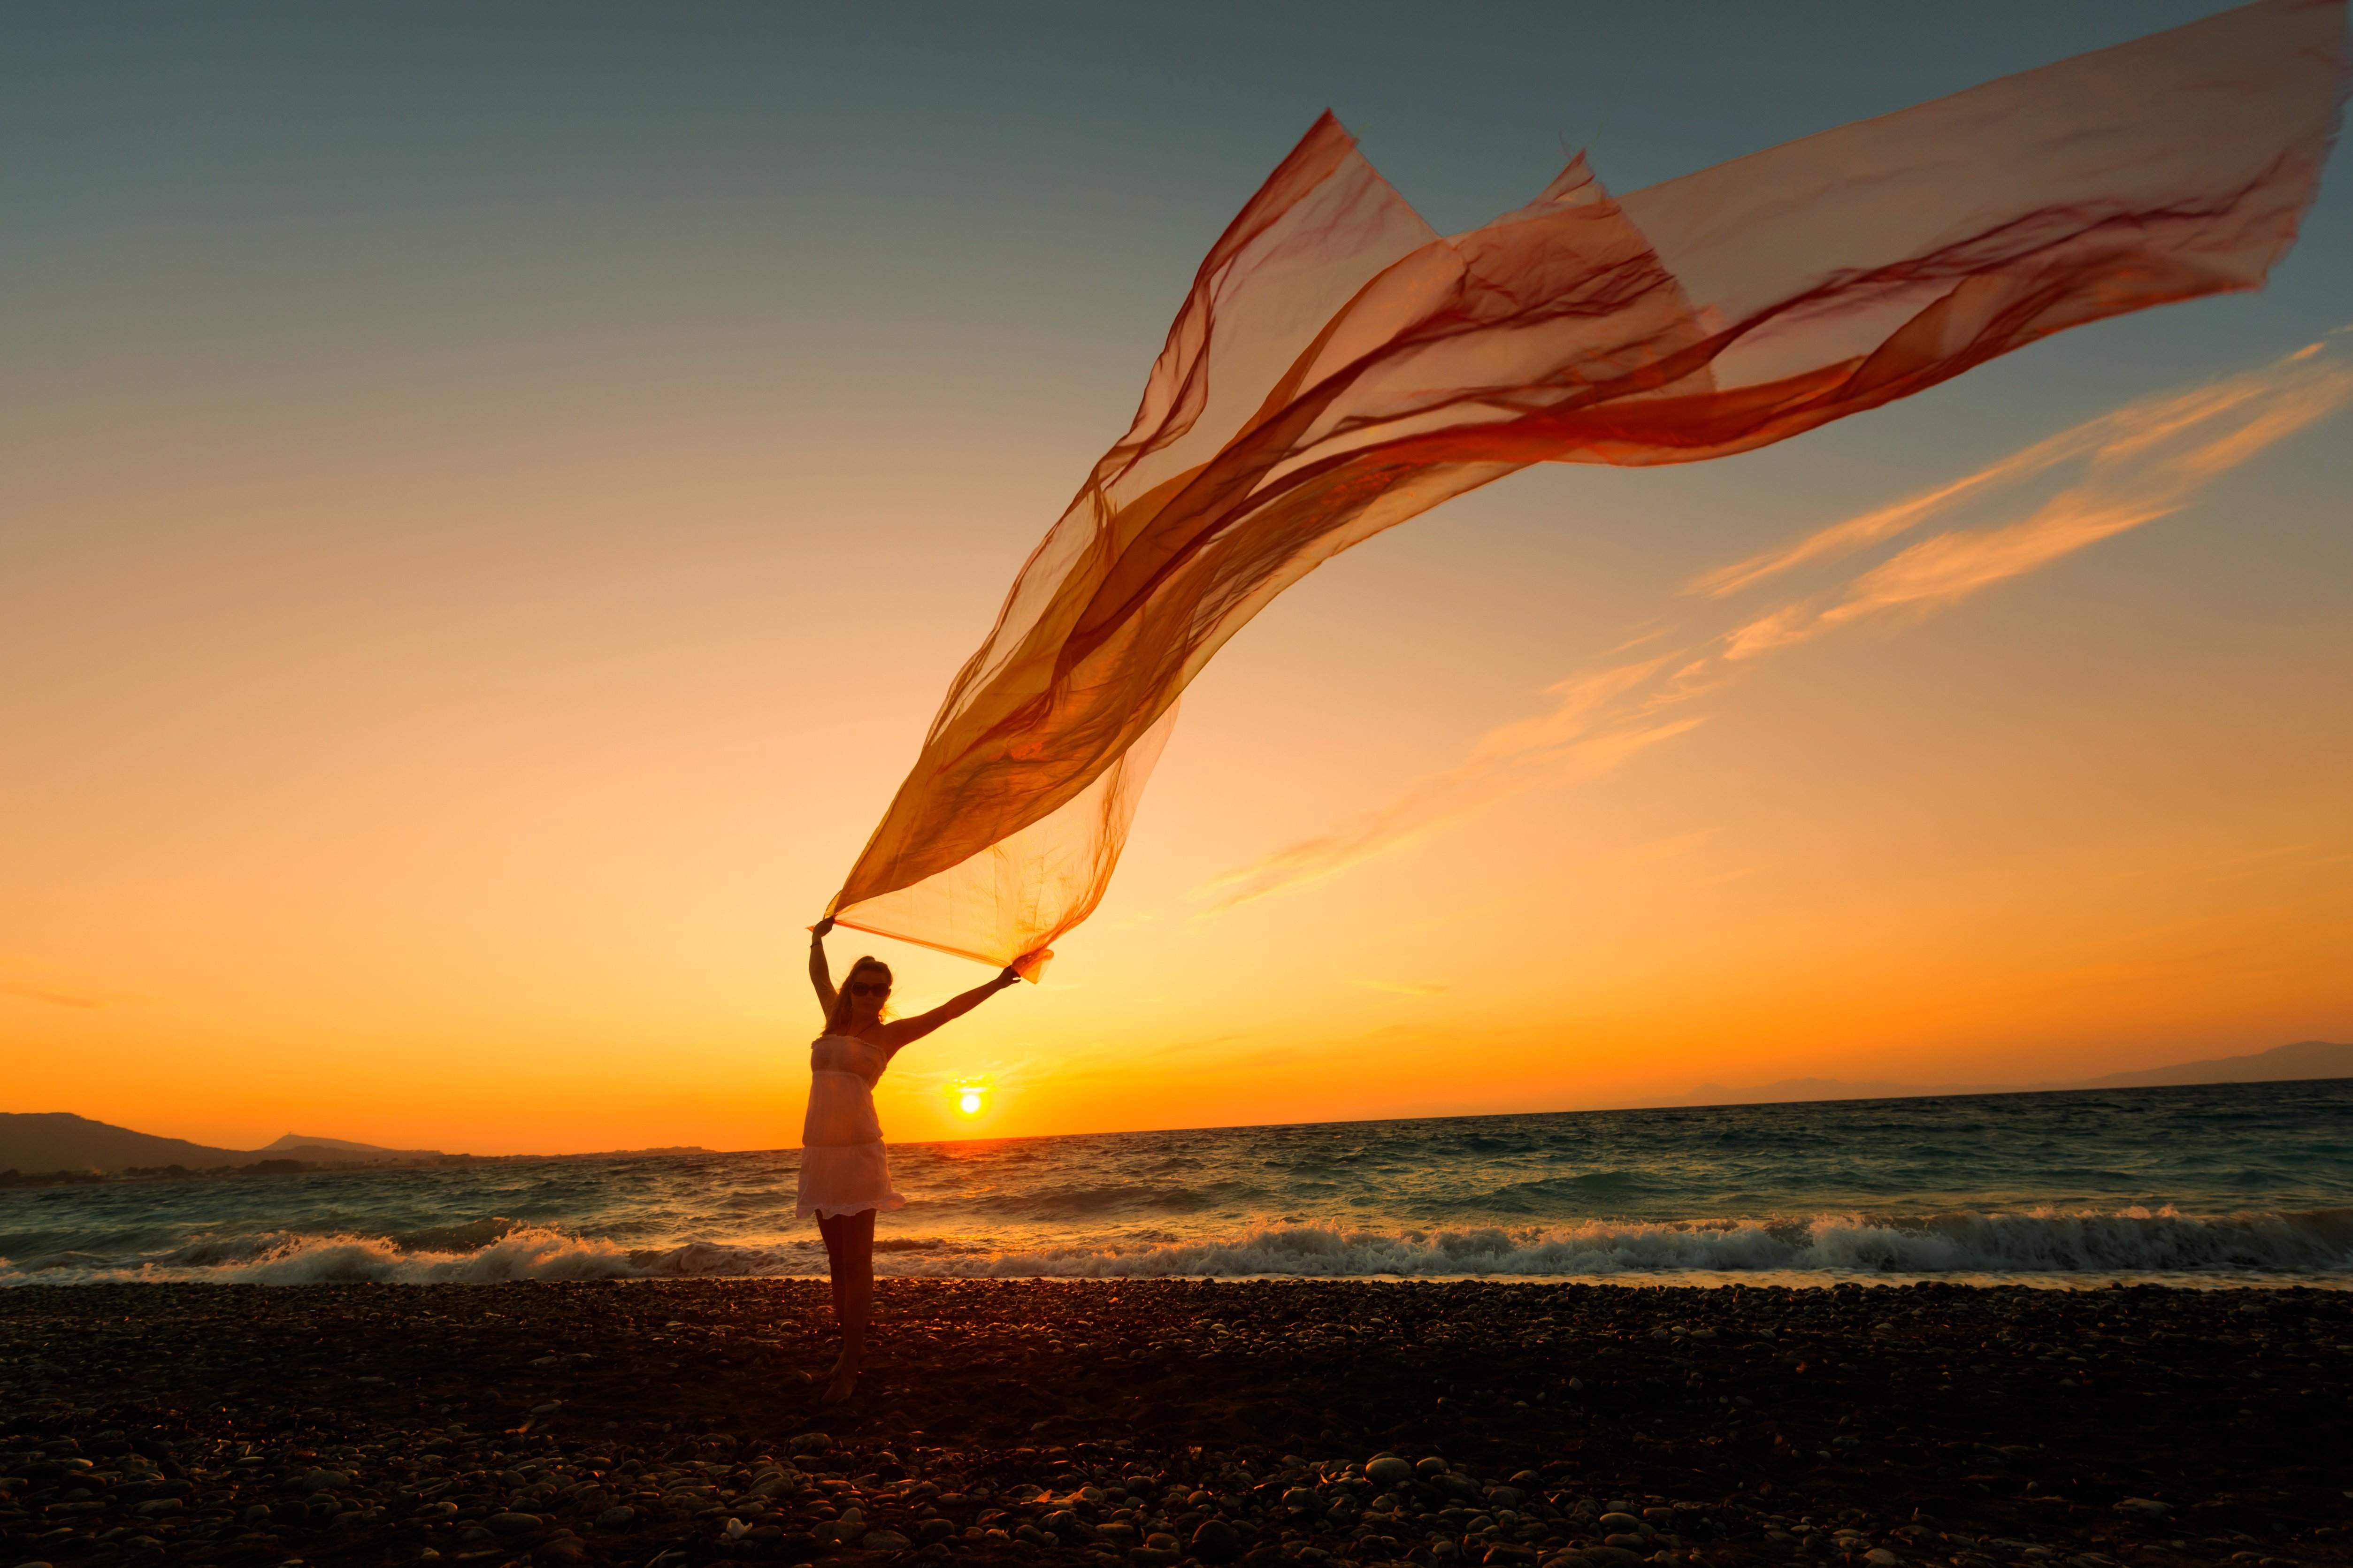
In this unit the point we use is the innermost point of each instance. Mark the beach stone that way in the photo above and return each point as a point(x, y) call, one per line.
point(162, 1505)
point(1625, 1540)
point(936, 1528)
point(513, 1523)
point(1607, 1556)
point(475, 1535)
point(1618, 1519)
point(1155, 1556)
point(1880, 1557)
point(2142, 1507)
point(1389, 1470)
point(885, 1541)
point(325, 1480)
point(1217, 1541)
point(618, 1517)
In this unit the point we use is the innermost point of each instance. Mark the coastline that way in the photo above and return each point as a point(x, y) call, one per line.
point(1930, 1424)
point(2241, 1183)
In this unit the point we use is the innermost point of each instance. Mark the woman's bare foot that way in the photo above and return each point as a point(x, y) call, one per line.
point(844, 1384)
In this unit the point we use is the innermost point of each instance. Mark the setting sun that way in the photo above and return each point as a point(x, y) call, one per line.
point(970, 1098)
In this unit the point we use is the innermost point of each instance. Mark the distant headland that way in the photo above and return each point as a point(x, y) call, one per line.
point(2281, 1064)
point(52, 1147)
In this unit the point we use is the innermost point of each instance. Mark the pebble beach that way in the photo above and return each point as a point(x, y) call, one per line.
point(1162, 1423)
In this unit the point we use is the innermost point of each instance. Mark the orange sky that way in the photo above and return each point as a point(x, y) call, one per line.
point(433, 709)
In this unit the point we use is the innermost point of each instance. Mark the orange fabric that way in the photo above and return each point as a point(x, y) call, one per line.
point(1338, 367)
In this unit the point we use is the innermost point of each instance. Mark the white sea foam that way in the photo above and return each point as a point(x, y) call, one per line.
point(2042, 1243)
point(281, 1258)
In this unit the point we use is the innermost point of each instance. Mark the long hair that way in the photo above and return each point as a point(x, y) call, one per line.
point(838, 1020)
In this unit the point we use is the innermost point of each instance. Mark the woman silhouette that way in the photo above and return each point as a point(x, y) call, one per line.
point(845, 1176)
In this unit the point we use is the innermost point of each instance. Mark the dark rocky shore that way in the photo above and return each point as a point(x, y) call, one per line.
point(1153, 1423)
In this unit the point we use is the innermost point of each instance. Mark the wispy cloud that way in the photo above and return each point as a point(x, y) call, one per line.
point(2142, 462)
point(55, 998)
point(1573, 742)
point(2126, 468)
point(1402, 987)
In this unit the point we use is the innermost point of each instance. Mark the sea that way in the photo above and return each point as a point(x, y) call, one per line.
point(2211, 1186)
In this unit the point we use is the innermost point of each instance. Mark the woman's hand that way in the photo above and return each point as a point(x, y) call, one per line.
point(820, 975)
point(1011, 976)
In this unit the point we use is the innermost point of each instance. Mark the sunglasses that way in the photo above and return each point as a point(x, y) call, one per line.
point(870, 988)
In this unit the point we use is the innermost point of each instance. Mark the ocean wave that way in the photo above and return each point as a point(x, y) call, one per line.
point(2042, 1243)
point(285, 1259)
point(1102, 1200)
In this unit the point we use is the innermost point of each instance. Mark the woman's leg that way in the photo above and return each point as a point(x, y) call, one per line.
point(853, 1296)
point(829, 1227)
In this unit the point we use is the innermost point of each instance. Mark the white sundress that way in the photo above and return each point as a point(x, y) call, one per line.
point(843, 1168)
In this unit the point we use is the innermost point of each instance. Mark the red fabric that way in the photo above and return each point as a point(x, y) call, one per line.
point(1338, 367)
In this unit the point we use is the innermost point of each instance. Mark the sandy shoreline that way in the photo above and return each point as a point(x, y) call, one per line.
point(622, 1422)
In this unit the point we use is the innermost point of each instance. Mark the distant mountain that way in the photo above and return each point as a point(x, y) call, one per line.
point(305, 1140)
point(2281, 1064)
point(59, 1141)
point(294, 1144)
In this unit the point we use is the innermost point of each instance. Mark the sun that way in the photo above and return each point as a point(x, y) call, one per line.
point(970, 1096)
point(970, 1102)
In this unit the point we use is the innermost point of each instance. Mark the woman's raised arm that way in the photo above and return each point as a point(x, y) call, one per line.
point(907, 1031)
point(820, 975)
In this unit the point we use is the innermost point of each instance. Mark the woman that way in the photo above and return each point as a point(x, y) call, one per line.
point(845, 1176)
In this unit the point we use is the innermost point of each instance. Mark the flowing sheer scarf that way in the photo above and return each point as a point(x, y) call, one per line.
point(1338, 367)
